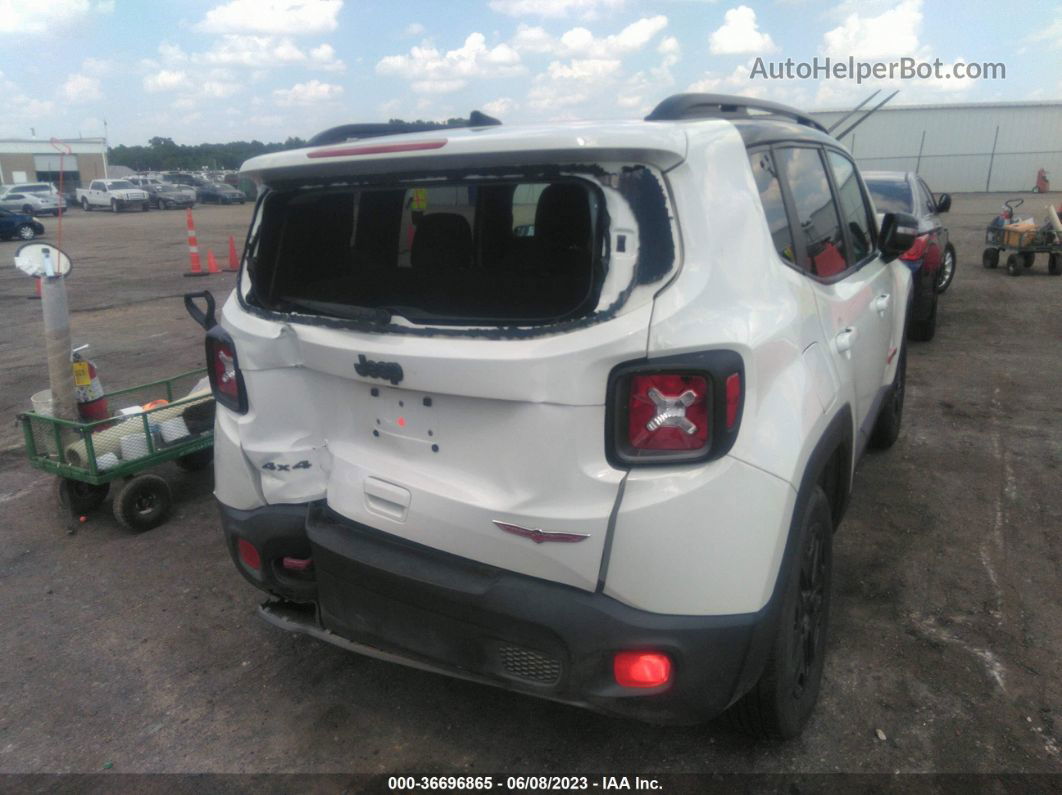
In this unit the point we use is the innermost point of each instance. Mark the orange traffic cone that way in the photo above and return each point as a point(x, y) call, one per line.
point(193, 248)
point(234, 262)
point(212, 263)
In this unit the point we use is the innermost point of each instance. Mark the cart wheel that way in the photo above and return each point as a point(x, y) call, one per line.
point(1029, 257)
point(1054, 264)
point(80, 497)
point(200, 459)
point(990, 257)
point(143, 503)
point(1015, 264)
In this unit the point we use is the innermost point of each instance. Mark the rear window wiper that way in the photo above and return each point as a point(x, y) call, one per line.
point(373, 314)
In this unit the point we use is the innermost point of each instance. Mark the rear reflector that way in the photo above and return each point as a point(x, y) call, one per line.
point(641, 668)
point(249, 555)
point(296, 564)
point(378, 149)
point(733, 399)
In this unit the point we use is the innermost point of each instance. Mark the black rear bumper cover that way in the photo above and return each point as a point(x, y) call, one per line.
point(373, 591)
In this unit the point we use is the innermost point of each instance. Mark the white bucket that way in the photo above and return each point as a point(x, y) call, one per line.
point(173, 429)
point(134, 446)
point(107, 461)
point(42, 402)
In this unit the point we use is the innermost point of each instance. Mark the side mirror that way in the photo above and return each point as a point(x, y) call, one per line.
point(898, 233)
point(943, 202)
point(204, 318)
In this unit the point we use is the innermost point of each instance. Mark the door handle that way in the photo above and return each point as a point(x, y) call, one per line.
point(846, 339)
point(881, 303)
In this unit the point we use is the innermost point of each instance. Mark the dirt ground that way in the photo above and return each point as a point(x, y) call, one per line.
point(142, 653)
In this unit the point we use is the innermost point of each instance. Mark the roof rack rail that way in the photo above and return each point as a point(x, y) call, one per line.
point(353, 132)
point(707, 106)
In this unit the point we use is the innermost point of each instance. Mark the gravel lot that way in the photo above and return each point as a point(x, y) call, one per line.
point(142, 653)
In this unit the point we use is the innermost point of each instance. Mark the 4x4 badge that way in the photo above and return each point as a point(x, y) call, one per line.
point(540, 536)
point(389, 371)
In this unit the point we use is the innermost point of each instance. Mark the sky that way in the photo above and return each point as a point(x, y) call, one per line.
point(221, 70)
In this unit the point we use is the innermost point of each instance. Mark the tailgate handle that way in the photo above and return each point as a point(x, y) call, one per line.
point(387, 499)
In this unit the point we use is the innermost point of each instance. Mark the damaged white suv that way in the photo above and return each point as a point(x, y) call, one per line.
point(568, 409)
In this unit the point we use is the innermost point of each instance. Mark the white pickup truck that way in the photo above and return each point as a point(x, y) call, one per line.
point(117, 194)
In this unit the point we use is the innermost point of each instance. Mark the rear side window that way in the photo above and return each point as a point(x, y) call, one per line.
point(766, 176)
point(855, 213)
point(890, 196)
point(823, 250)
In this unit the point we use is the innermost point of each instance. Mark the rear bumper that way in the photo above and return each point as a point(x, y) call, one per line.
point(385, 597)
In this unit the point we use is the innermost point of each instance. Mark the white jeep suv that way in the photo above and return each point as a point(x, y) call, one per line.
point(567, 409)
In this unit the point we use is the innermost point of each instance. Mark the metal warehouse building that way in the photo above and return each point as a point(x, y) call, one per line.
point(28, 160)
point(975, 147)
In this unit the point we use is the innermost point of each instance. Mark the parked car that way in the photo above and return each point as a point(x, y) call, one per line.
point(220, 193)
point(32, 203)
point(165, 195)
point(19, 225)
point(116, 194)
point(600, 461)
point(932, 258)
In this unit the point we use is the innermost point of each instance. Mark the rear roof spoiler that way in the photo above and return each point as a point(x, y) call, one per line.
point(354, 132)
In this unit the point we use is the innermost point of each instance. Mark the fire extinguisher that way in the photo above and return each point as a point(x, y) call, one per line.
point(91, 403)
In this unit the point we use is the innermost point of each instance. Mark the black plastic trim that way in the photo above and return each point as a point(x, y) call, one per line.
point(681, 107)
point(715, 365)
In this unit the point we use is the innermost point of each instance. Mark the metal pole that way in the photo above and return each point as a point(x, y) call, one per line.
point(921, 145)
point(57, 345)
point(991, 159)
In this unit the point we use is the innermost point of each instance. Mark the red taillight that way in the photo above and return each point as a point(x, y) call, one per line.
point(733, 399)
point(668, 412)
point(918, 250)
point(249, 554)
point(223, 367)
point(641, 668)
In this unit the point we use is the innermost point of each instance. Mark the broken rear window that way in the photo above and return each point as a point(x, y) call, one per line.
point(462, 252)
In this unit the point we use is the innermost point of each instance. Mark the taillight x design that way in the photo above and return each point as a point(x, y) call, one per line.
point(674, 410)
point(223, 369)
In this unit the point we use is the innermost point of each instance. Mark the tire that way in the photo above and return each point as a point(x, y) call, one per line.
point(1015, 265)
point(199, 460)
point(781, 702)
point(80, 497)
point(890, 417)
point(990, 257)
point(167, 205)
point(924, 330)
point(1054, 264)
point(143, 503)
point(25, 232)
point(85, 205)
point(946, 272)
point(1029, 258)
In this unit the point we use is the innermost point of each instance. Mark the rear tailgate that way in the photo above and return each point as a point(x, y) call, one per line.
point(477, 431)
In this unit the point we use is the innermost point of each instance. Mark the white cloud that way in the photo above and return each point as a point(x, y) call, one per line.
point(587, 9)
point(429, 69)
point(893, 32)
point(499, 107)
point(671, 50)
point(171, 53)
point(292, 17)
point(324, 57)
point(414, 29)
point(260, 51)
point(739, 34)
point(581, 42)
point(218, 89)
point(1049, 36)
point(81, 88)
point(737, 82)
point(96, 66)
point(583, 69)
point(307, 93)
point(166, 80)
point(47, 17)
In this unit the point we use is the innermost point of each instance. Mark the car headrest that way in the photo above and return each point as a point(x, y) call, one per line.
point(442, 241)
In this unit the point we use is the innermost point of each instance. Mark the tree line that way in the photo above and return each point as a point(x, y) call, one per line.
point(163, 154)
